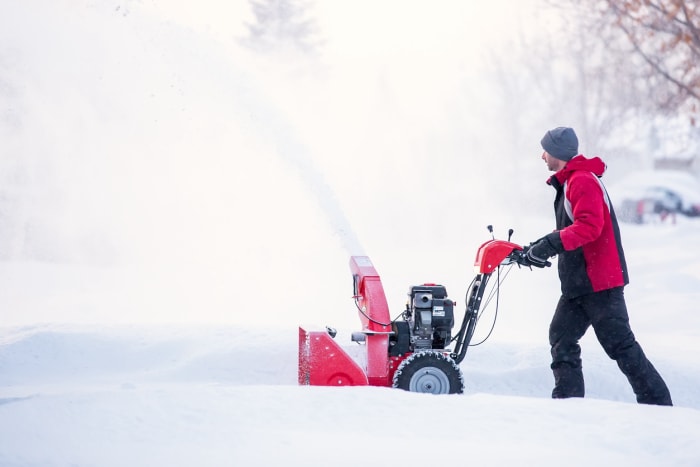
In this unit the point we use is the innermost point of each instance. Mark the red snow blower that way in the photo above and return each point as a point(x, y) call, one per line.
point(412, 351)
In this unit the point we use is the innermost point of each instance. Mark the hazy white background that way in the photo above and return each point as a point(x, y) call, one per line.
point(172, 206)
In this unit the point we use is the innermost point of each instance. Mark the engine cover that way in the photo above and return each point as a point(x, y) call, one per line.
point(431, 315)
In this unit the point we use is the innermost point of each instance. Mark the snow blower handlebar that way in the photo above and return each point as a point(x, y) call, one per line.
point(489, 257)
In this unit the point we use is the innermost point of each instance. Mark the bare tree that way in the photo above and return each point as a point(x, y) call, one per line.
point(281, 25)
point(665, 34)
point(567, 75)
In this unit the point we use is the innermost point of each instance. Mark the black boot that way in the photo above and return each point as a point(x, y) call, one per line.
point(646, 382)
point(568, 381)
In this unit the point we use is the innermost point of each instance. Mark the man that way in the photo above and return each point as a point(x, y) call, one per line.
point(592, 271)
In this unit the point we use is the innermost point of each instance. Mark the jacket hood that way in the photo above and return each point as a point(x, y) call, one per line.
point(580, 163)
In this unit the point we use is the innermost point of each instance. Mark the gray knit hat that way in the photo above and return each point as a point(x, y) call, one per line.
point(561, 143)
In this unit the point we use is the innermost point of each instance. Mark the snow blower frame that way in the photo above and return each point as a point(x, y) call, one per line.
point(411, 352)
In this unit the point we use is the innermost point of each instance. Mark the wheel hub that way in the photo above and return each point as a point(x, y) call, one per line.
point(430, 380)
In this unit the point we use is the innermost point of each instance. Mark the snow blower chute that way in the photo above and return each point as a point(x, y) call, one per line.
point(411, 352)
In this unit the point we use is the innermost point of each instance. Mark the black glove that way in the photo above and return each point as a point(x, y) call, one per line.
point(543, 248)
point(527, 259)
point(537, 253)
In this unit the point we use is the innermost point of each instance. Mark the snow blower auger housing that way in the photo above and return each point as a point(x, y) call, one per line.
point(411, 352)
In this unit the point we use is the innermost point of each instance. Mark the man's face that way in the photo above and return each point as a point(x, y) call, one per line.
point(553, 164)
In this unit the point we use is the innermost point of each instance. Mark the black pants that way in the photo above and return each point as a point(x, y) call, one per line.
point(606, 311)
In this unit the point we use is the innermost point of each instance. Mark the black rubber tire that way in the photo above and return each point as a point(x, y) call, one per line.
point(429, 372)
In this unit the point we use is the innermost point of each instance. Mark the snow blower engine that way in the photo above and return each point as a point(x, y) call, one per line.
point(427, 321)
point(416, 351)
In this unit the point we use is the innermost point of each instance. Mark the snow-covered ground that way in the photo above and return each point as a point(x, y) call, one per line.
point(226, 394)
point(179, 217)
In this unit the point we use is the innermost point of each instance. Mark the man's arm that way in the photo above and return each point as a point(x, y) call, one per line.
point(588, 206)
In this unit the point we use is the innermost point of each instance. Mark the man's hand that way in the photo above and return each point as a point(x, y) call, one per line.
point(537, 253)
point(528, 259)
point(542, 249)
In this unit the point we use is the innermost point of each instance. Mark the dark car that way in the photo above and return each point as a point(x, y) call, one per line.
point(657, 195)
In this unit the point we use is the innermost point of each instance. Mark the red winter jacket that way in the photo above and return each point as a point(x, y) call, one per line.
point(587, 239)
